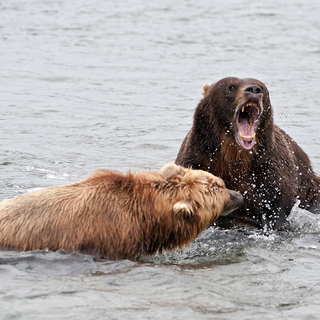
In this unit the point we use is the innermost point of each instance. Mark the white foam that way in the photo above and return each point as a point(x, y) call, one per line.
point(303, 220)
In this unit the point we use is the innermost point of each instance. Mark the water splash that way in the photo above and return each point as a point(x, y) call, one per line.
point(301, 220)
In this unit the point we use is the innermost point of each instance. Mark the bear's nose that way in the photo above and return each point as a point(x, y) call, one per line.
point(253, 89)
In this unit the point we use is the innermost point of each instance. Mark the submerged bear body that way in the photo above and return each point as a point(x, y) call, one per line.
point(233, 137)
point(117, 216)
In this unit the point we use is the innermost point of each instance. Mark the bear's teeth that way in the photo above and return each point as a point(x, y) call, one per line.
point(247, 137)
point(250, 104)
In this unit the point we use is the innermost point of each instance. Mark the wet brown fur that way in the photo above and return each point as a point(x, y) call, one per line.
point(114, 215)
point(271, 176)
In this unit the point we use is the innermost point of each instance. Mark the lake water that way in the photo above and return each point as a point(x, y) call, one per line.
point(113, 84)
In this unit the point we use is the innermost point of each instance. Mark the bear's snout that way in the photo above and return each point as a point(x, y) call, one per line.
point(253, 89)
point(235, 202)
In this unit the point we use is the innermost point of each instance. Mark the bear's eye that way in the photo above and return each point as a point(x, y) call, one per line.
point(232, 87)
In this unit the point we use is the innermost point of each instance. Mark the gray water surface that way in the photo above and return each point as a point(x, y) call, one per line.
point(113, 84)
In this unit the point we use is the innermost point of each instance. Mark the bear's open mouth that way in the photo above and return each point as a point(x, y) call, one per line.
point(246, 120)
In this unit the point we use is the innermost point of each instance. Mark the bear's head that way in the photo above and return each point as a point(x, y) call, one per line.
point(200, 193)
point(239, 108)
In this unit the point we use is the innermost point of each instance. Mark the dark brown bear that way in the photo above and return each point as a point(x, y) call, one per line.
point(233, 136)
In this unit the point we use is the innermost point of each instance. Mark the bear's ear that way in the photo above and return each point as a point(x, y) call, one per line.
point(183, 209)
point(205, 88)
point(170, 170)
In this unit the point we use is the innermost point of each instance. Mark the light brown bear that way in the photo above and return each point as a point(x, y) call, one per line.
point(113, 215)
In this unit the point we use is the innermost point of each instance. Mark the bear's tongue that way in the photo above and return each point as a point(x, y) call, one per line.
point(246, 119)
point(246, 134)
point(246, 127)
